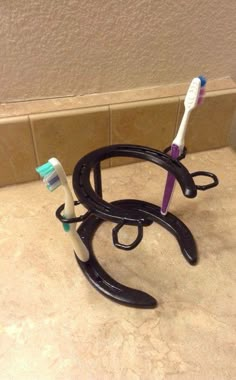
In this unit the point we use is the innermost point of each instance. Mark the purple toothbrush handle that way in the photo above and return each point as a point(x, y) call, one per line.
point(170, 181)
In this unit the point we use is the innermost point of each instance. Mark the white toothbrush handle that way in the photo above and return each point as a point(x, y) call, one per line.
point(190, 102)
point(78, 245)
point(69, 212)
point(179, 139)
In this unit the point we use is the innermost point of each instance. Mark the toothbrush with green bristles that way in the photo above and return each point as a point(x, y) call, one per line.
point(54, 176)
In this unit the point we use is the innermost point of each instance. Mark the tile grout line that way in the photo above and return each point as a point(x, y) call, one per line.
point(177, 118)
point(110, 126)
point(113, 103)
point(110, 132)
point(34, 141)
point(115, 92)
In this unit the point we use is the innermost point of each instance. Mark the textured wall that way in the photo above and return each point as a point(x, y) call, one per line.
point(59, 48)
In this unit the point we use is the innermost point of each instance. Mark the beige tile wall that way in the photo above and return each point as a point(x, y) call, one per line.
point(29, 140)
point(210, 123)
point(17, 155)
point(150, 123)
point(69, 135)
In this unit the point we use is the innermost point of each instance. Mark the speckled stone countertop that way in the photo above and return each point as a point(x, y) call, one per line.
point(55, 326)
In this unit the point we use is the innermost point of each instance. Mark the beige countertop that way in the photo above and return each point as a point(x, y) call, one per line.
point(55, 326)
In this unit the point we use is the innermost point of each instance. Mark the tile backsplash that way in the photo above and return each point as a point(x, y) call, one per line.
point(150, 123)
point(210, 123)
point(69, 135)
point(147, 117)
point(17, 153)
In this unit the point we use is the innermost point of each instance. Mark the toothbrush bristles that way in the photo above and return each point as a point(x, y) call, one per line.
point(203, 80)
point(200, 100)
point(52, 181)
point(202, 90)
point(54, 186)
point(49, 175)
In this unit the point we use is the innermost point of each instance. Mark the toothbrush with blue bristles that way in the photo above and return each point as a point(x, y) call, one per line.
point(54, 176)
point(193, 97)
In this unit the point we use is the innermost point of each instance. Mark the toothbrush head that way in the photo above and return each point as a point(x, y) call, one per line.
point(191, 98)
point(203, 80)
point(52, 173)
point(202, 90)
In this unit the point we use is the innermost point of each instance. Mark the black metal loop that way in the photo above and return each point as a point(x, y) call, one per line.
point(206, 174)
point(63, 219)
point(181, 157)
point(126, 247)
point(92, 198)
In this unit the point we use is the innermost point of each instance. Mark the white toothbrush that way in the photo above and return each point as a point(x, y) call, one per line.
point(194, 97)
point(54, 176)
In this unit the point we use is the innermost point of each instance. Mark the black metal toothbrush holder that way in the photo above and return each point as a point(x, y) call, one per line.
point(128, 212)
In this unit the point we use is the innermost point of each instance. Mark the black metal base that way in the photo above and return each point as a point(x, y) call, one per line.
point(128, 212)
point(103, 282)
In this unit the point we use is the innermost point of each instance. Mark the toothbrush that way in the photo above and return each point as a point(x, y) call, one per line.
point(193, 97)
point(54, 176)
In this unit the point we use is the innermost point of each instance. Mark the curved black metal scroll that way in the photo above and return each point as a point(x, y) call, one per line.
point(108, 211)
point(103, 282)
point(131, 212)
